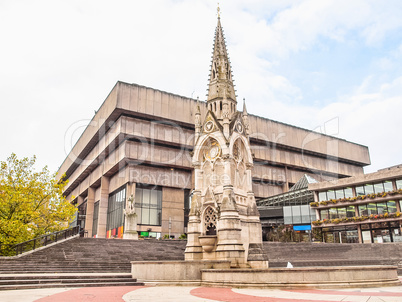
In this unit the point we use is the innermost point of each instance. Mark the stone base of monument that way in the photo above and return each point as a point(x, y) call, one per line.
point(219, 274)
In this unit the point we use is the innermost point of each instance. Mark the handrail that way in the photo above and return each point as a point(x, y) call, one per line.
point(44, 240)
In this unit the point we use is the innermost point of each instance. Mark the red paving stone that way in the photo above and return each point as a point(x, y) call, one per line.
point(227, 295)
point(345, 293)
point(93, 294)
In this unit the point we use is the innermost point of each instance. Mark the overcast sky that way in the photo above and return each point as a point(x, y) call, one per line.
point(330, 66)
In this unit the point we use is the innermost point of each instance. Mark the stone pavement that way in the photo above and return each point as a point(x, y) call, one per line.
point(198, 294)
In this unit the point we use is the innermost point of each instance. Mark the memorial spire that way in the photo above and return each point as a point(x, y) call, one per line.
point(221, 87)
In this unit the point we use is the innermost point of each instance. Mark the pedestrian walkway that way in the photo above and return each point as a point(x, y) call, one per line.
point(198, 294)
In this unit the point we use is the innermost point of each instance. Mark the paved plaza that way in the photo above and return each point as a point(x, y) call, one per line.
point(198, 294)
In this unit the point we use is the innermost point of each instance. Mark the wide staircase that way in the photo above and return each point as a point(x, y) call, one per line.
point(83, 262)
point(101, 262)
point(333, 254)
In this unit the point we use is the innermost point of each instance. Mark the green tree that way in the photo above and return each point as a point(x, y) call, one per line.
point(31, 202)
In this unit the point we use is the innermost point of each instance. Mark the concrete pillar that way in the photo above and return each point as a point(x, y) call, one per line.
point(285, 187)
point(103, 204)
point(90, 211)
point(359, 232)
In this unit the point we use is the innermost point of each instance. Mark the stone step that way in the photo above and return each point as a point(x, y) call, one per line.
point(29, 281)
point(62, 285)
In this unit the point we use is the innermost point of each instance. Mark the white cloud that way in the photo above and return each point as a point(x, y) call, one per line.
point(60, 59)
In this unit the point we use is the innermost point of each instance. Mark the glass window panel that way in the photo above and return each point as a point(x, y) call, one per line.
point(378, 188)
point(159, 199)
point(371, 208)
point(145, 216)
point(339, 194)
point(146, 194)
point(342, 212)
point(366, 236)
point(333, 213)
point(363, 210)
point(348, 192)
point(369, 189)
point(153, 216)
point(331, 194)
point(381, 208)
point(287, 215)
point(138, 211)
point(399, 184)
point(322, 196)
point(360, 191)
point(305, 213)
point(324, 214)
point(95, 219)
point(138, 196)
point(391, 206)
point(296, 215)
point(115, 217)
point(388, 186)
point(350, 211)
point(154, 198)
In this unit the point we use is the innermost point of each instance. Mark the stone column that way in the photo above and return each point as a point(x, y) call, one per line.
point(103, 204)
point(230, 246)
point(193, 248)
point(90, 211)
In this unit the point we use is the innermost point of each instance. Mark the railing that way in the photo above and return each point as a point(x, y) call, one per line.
point(45, 240)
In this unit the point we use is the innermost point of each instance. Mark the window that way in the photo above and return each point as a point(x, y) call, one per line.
point(95, 219)
point(339, 194)
point(388, 186)
point(391, 205)
point(371, 209)
point(399, 184)
point(305, 214)
point(296, 214)
point(359, 190)
point(287, 215)
point(369, 189)
point(312, 214)
point(348, 192)
point(363, 210)
point(350, 211)
point(333, 213)
point(115, 215)
point(148, 204)
point(382, 208)
point(322, 196)
point(379, 188)
point(341, 212)
point(331, 194)
point(324, 214)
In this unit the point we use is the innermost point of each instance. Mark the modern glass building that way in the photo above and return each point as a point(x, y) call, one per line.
point(288, 216)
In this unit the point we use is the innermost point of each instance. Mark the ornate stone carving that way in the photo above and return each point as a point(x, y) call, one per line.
point(130, 206)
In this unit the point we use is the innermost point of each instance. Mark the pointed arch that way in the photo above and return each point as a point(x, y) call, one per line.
point(242, 142)
point(206, 141)
point(209, 219)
